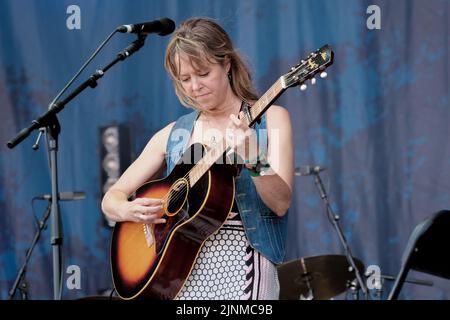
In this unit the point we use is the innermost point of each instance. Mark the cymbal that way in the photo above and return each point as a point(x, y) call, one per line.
point(327, 276)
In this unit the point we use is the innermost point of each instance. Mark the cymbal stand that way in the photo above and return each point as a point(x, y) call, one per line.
point(306, 277)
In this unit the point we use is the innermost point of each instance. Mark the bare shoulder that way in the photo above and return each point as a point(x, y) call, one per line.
point(277, 116)
point(164, 132)
point(160, 138)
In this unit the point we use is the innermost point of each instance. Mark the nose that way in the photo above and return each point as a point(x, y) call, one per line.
point(196, 84)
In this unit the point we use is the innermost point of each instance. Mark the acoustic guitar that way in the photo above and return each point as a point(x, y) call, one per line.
point(153, 261)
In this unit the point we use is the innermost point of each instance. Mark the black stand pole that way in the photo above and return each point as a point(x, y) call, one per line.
point(50, 121)
point(53, 131)
point(334, 219)
point(19, 283)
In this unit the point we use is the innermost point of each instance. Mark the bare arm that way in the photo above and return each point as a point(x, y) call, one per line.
point(280, 177)
point(115, 204)
point(275, 187)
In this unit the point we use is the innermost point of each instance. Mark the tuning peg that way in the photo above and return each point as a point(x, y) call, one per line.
point(313, 81)
point(323, 75)
point(303, 87)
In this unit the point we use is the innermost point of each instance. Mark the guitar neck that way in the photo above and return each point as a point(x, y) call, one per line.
point(256, 111)
point(205, 163)
point(267, 99)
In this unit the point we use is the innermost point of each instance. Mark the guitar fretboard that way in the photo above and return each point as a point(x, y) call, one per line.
point(263, 103)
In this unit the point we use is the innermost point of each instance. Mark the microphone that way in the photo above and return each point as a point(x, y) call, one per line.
point(64, 196)
point(308, 170)
point(162, 27)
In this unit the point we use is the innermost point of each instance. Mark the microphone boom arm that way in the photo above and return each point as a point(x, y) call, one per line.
point(48, 117)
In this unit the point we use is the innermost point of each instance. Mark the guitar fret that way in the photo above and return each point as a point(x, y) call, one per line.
point(260, 105)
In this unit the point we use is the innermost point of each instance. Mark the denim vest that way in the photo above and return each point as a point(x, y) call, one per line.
point(266, 232)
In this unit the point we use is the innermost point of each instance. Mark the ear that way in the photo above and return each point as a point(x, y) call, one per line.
point(227, 64)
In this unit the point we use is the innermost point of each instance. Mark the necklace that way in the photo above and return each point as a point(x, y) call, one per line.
point(212, 135)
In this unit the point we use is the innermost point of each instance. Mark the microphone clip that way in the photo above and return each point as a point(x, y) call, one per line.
point(308, 170)
point(133, 47)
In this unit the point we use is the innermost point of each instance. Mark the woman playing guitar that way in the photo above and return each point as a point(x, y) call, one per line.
point(236, 261)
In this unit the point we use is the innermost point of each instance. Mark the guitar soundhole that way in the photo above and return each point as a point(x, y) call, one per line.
point(177, 197)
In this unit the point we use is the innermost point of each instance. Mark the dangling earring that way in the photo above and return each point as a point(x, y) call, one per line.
point(229, 76)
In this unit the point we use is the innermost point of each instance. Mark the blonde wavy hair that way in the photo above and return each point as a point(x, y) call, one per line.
point(203, 40)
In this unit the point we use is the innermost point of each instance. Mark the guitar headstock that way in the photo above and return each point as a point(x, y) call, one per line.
point(316, 63)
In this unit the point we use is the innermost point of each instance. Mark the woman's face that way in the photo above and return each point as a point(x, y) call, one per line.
point(207, 85)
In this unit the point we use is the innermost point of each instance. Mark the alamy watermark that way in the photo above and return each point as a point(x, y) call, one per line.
point(374, 20)
point(73, 21)
point(253, 146)
point(373, 280)
point(74, 279)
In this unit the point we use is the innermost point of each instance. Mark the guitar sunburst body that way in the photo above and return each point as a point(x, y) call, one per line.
point(154, 261)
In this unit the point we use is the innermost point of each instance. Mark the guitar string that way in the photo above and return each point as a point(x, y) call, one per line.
point(180, 193)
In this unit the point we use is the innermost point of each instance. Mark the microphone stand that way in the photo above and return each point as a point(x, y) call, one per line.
point(334, 219)
point(384, 278)
point(19, 283)
point(49, 121)
point(409, 280)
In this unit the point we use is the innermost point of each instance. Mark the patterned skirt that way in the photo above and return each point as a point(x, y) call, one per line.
point(228, 268)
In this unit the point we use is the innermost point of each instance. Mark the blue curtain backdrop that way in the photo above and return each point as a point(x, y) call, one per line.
point(379, 123)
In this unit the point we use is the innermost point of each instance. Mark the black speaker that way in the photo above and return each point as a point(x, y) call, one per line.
point(115, 156)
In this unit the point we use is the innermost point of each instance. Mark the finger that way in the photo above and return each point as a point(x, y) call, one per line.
point(148, 201)
point(249, 132)
point(158, 221)
point(149, 218)
point(138, 209)
point(235, 120)
point(150, 210)
point(242, 120)
point(231, 126)
point(151, 201)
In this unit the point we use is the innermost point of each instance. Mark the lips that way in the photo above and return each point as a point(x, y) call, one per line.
point(202, 96)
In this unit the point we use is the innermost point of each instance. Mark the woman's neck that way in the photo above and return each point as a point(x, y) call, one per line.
point(222, 113)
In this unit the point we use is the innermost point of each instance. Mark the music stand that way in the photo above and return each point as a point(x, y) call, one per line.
point(424, 251)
